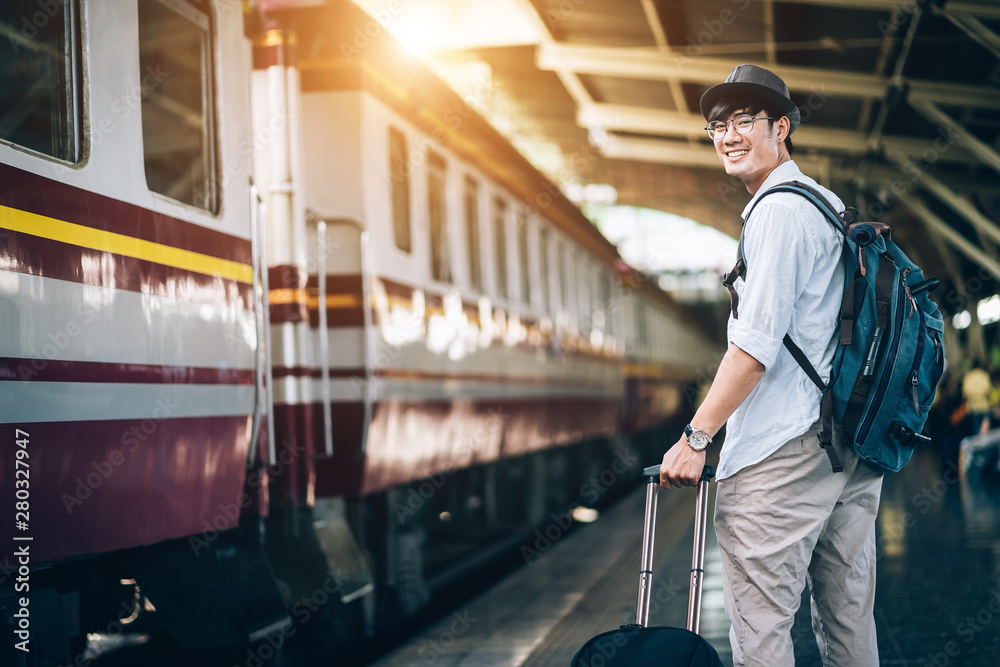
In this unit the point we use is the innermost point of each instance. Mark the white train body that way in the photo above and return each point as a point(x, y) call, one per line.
point(470, 326)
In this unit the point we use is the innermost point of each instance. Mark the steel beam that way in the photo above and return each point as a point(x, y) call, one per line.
point(936, 92)
point(984, 9)
point(975, 29)
point(656, 27)
point(952, 237)
point(872, 5)
point(881, 173)
point(769, 47)
point(663, 152)
point(963, 207)
point(655, 24)
point(645, 63)
point(962, 136)
point(646, 120)
point(628, 118)
point(892, 97)
point(676, 153)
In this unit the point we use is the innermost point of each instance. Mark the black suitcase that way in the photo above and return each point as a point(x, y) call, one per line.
point(636, 644)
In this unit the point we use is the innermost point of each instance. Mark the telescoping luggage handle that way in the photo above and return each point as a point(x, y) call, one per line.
point(652, 475)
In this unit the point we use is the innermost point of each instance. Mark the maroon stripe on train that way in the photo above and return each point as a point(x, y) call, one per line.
point(344, 284)
point(44, 196)
point(271, 55)
point(285, 276)
point(405, 441)
point(282, 313)
point(422, 376)
point(436, 300)
point(303, 372)
point(337, 318)
point(56, 370)
point(392, 288)
point(354, 317)
point(328, 79)
point(102, 486)
point(536, 381)
point(37, 256)
point(293, 474)
point(341, 318)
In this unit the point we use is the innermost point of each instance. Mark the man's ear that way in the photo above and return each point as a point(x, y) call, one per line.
point(781, 128)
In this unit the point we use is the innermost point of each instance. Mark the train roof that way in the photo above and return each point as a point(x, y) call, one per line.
point(341, 47)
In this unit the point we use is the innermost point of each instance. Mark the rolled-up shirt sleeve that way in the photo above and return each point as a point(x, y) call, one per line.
point(780, 255)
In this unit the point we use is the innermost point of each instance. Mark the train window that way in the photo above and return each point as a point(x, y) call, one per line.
point(472, 232)
point(543, 267)
point(603, 306)
point(399, 182)
point(583, 293)
point(39, 78)
point(642, 334)
point(613, 305)
point(178, 137)
point(524, 266)
point(437, 215)
point(572, 288)
point(660, 339)
point(565, 280)
point(500, 244)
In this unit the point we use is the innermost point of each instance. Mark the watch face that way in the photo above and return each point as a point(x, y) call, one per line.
point(698, 440)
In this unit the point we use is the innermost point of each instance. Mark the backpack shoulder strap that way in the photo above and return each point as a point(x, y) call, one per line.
point(795, 187)
point(740, 269)
point(816, 198)
point(828, 430)
point(821, 202)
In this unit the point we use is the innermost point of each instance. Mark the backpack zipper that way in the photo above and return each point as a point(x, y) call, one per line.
point(883, 380)
point(909, 295)
point(914, 380)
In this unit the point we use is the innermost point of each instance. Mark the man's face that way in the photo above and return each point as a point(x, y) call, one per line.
point(750, 157)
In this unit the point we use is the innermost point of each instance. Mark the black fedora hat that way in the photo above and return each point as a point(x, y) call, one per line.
point(753, 81)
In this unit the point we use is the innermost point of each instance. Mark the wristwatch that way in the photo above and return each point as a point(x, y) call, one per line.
point(698, 440)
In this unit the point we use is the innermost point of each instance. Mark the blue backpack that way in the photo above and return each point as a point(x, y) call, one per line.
point(889, 358)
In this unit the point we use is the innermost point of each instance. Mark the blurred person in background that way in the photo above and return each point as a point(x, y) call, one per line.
point(976, 389)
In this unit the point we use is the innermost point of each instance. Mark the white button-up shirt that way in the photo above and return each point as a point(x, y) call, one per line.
point(795, 284)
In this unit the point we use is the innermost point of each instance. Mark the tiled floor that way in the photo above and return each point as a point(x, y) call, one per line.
point(937, 604)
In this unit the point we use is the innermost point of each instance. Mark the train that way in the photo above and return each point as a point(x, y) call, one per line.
point(289, 334)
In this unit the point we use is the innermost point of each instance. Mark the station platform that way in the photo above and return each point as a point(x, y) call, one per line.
point(937, 601)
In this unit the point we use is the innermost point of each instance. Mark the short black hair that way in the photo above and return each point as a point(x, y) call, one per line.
point(726, 107)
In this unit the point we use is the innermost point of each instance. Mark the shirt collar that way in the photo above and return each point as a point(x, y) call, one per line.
point(784, 172)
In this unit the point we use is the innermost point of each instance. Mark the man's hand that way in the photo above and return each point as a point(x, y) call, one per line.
point(682, 466)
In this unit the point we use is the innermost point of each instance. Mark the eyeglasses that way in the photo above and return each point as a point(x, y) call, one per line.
point(743, 124)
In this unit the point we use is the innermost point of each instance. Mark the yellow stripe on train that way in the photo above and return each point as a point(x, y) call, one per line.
point(655, 371)
point(119, 244)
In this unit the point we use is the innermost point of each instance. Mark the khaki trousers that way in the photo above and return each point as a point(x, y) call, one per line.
point(788, 521)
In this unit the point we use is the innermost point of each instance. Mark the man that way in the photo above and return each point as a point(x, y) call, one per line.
point(783, 518)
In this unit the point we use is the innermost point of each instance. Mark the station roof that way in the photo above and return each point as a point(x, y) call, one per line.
point(900, 106)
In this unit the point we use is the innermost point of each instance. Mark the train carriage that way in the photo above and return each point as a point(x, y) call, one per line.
point(278, 314)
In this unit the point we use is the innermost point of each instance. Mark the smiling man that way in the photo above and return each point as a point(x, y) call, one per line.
point(783, 517)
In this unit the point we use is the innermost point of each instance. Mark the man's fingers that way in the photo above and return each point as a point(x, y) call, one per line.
point(678, 481)
point(677, 470)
